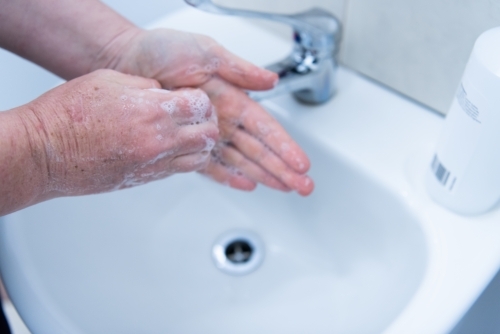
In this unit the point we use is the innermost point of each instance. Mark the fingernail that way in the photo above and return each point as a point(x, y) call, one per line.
point(308, 186)
point(307, 181)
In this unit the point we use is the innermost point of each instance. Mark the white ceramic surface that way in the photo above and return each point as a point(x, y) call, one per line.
point(368, 252)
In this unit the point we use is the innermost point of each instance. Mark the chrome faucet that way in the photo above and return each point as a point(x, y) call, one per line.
point(309, 71)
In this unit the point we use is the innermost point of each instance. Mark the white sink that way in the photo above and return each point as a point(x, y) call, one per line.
point(368, 252)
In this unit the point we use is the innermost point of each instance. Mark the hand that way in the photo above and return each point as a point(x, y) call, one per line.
point(253, 147)
point(108, 130)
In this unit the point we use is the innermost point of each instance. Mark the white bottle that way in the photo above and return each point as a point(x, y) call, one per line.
point(465, 171)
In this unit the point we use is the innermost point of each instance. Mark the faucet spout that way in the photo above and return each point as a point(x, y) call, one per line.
point(309, 71)
point(314, 86)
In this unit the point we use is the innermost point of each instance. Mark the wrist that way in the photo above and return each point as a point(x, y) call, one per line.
point(23, 161)
point(49, 135)
point(112, 52)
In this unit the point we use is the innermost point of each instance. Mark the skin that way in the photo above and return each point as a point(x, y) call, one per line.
point(118, 131)
point(115, 143)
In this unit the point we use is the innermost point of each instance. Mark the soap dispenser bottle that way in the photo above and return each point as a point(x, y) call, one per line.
point(464, 174)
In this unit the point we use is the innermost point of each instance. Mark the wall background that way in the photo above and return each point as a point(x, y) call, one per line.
point(418, 48)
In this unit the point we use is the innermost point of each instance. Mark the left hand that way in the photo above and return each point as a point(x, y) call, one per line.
point(253, 147)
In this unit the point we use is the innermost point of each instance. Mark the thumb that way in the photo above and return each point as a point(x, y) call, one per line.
point(242, 73)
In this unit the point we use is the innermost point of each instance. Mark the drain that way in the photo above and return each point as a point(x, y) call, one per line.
point(238, 252)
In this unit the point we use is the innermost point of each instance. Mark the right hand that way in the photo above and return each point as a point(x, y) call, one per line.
point(107, 130)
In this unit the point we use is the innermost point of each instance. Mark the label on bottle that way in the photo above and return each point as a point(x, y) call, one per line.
point(460, 136)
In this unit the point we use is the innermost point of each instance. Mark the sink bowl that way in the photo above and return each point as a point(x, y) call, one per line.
point(367, 252)
point(139, 260)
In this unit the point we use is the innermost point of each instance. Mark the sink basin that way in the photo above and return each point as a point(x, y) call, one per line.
point(139, 260)
point(367, 252)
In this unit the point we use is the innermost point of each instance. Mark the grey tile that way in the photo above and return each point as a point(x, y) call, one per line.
point(419, 48)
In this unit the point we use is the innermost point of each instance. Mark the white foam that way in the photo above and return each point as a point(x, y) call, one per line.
point(193, 69)
point(170, 106)
point(149, 174)
point(133, 180)
point(200, 163)
point(233, 170)
point(158, 90)
point(213, 116)
point(263, 128)
point(209, 144)
point(285, 147)
point(130, 180)
point(158, 157)
point(198, 105)
point(212, 66)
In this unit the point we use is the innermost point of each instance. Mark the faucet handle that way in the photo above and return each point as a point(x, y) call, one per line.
point(315, 29)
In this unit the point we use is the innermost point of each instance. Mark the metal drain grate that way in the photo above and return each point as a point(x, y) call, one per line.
point(238, 252)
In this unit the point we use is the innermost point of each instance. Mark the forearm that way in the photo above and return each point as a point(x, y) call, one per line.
point(23, 175)
point(69, 38)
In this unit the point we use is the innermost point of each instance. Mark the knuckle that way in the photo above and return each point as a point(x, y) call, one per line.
point(196, 105)
point(262, 155)
point(212, 131)
point(228, 131)
point(174, 106)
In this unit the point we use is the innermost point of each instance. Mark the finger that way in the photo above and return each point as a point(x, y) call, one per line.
point(253, 149)
point(236, 108)
point(227, 175)
point(234, 158)
point(261, 125)
point(242, 73)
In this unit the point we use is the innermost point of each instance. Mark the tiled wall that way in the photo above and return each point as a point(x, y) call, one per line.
point(420, 48)
point(417, 47)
